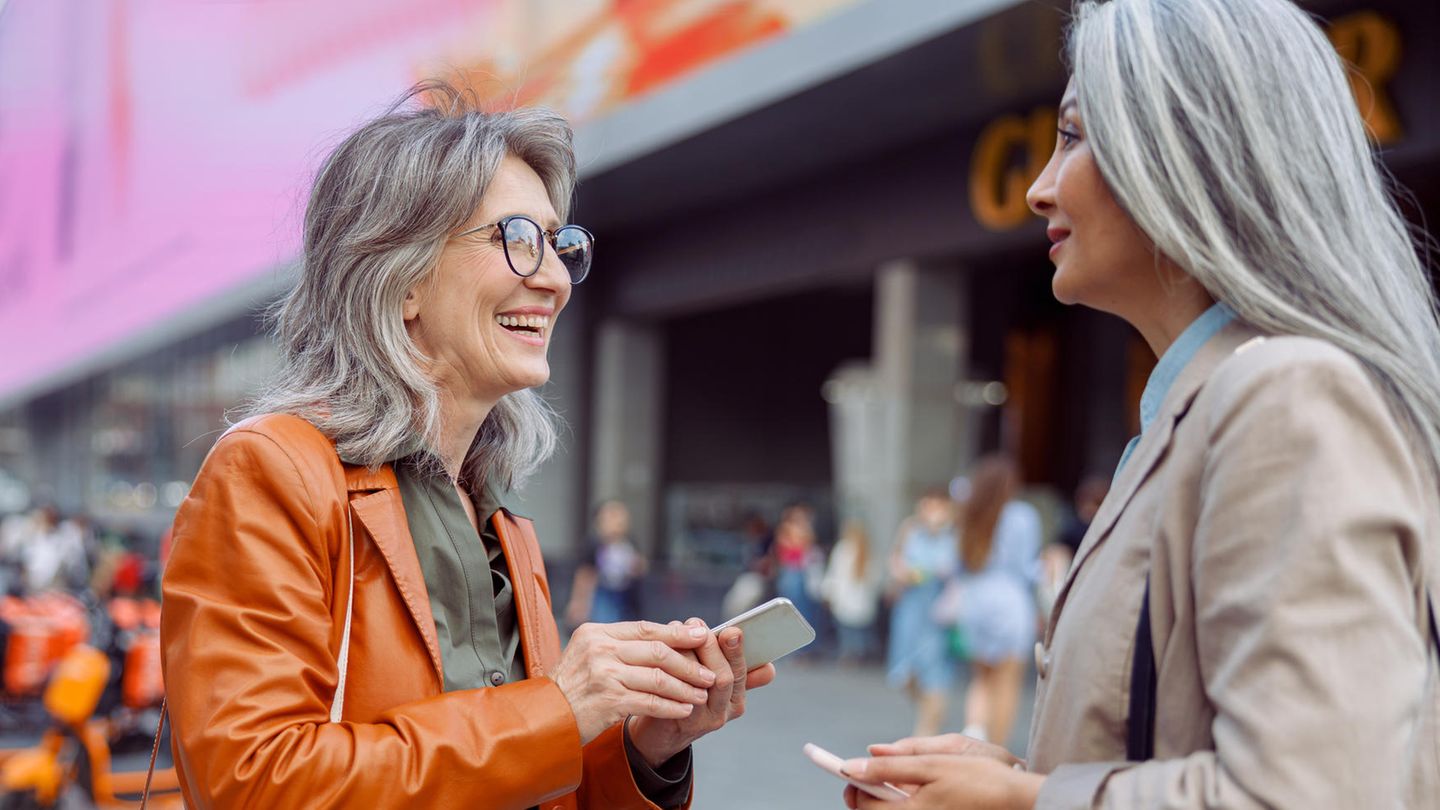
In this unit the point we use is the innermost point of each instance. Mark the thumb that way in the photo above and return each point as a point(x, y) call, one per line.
point(910, 770)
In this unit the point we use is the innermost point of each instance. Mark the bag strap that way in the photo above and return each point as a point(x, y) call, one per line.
point(1140, 725)
point(337, 707)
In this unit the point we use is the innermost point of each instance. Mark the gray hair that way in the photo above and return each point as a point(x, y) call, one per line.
point(1227, 129)
point(382, 206)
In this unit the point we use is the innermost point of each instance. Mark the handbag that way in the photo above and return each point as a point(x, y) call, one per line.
point(337, 706)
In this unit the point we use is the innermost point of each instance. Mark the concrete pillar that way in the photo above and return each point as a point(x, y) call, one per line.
point(920, 350)
point(554, 498)
point(627, 424)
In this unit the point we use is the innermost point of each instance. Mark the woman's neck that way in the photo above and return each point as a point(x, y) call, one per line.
point(1171, 314)
point(460, 421)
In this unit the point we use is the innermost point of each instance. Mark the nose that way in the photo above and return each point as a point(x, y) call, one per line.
point(1041, 196)
point(552, 275)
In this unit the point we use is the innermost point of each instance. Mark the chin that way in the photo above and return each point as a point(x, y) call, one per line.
point(1063, 290)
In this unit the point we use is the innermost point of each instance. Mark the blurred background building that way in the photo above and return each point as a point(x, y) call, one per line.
point(817, 278)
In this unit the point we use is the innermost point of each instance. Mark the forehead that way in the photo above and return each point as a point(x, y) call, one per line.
point(516, 189)
point(1069, 101)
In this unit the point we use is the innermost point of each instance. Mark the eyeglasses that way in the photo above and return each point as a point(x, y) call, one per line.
point(524, 242)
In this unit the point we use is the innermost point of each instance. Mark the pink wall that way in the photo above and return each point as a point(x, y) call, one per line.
point(154, 154)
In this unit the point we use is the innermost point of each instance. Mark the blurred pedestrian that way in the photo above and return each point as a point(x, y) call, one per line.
point(606, 587)
point(925, 555)
point(798, 561)
point(1251, 622)
point(850, 592)
point(352, 618)
point(999, 569)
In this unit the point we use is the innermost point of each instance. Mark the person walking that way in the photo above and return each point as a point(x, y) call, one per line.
point(999, 570)
point(850, 593)
point(607, 583)
point(925, 555)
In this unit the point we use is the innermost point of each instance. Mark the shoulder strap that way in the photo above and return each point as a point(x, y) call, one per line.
point(338, 706)
point(1140, 725)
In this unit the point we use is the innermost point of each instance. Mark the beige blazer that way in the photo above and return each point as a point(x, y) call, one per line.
point(1280, 513)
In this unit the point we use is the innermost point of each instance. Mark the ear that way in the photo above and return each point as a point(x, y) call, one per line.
point(411, 308)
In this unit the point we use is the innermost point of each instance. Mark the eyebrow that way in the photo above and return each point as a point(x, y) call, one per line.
point(1068, 105)
point(551, 224)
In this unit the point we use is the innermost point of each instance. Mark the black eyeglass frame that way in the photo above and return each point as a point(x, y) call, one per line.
point(548, 236)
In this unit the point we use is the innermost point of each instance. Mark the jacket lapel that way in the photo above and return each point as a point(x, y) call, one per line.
point(539, 639)
point(375, 497)
point(1152, 448)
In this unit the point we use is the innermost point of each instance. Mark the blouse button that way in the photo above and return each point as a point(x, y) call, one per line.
point(1042, 659)
point(497, 678)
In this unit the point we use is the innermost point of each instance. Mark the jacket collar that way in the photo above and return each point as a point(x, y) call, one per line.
point(1154, 444)
point(375, 496)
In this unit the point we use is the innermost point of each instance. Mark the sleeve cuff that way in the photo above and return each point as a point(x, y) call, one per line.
point(1076, 787)
point(666, 786)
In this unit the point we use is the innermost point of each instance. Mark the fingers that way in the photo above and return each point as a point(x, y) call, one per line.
point(714, 660)
point(659, 682)
point(661, 657)
point(950, 744)
point(910, 746)
point(915, 770)
point(760, 676)
point(674, 634)
point(732, 643)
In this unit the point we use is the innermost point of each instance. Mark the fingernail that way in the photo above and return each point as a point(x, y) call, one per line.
point(707, 676)
point(733, 642)
point(698, 697)
point(698, 632)
point(853, 767)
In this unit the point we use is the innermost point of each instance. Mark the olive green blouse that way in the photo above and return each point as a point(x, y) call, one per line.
point(473, 602)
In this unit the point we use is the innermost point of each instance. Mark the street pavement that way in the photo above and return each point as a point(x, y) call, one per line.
point(756, 763)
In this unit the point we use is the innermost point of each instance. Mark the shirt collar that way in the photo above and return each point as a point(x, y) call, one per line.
point(1177, 357)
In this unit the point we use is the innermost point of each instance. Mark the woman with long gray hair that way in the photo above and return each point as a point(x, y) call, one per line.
point(1249, 620)
point(352, 616)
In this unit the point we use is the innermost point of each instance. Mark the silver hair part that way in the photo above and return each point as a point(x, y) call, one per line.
point(381, 209)
point(1229, 132)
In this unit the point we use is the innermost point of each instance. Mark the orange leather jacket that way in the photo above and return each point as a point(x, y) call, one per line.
point(254, 612)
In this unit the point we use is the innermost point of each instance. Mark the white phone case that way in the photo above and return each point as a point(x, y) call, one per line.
point(832, 764)
point(772, 631)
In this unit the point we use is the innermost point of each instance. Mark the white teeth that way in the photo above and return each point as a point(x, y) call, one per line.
point(525, 321)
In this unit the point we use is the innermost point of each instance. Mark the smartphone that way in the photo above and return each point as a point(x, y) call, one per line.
point(832, 764)
point(772, 631)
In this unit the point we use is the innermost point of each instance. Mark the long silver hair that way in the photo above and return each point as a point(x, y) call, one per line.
point(381, 208)
point(1228, 131)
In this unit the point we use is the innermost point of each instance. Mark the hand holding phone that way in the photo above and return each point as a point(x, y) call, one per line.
point(832, 764)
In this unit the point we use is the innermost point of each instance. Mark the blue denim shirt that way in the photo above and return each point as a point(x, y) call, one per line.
point(1176, 358)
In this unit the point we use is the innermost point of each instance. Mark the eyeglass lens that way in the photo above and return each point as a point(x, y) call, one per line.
point(524, 249)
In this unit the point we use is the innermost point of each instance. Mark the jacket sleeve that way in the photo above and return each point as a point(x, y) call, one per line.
point(1304, 564)
point(250, 640)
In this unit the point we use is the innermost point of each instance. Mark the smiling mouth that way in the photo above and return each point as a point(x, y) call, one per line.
point(532, 326)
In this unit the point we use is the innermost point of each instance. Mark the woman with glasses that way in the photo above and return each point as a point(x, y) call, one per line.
point(352, 616)
point(1249, 621)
